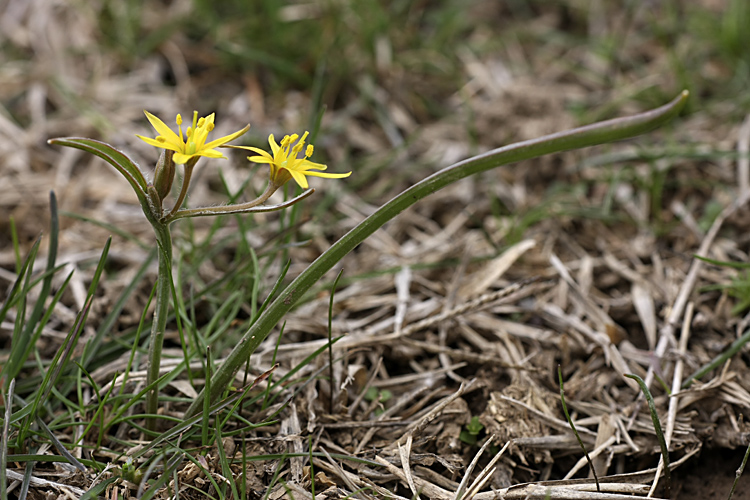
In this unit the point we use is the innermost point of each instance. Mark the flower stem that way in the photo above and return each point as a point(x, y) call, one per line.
point(159, 325)
point(222, 210)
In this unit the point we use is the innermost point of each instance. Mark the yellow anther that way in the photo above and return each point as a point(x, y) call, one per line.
point(179, 120)
point(309, 151)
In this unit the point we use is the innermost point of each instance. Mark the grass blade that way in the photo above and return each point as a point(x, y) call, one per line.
point(4, 445)
point(718, 360)
point(657, 429)
point(18, 342)
point(572, 426)
point(739, 472)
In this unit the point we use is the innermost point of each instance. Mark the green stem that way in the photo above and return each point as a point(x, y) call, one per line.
point(254, 206)
point(597, 133)
point(159, 325)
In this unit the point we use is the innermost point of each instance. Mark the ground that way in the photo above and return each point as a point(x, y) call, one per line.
point(453, 321)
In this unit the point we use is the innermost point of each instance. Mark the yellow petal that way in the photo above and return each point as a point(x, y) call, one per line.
point(180, 158)
point(299, 178)
point(226, 138)
point(307, 164)
point(260, 159)
point(312, 173)
point(210, 153)
point(162, 129)
point(159, 144)
point(272, 143)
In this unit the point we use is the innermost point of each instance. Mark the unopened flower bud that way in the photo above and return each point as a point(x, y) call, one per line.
point(164, 174)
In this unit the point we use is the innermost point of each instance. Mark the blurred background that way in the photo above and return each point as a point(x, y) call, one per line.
point(403, 86)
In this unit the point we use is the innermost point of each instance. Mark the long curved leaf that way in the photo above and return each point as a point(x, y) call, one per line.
point(114, 157)
point(590, 135)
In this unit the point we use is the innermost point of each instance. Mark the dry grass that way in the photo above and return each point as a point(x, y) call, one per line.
point(462, 307)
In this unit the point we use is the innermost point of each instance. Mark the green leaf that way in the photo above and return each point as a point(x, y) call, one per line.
point(474, 426)
point(114, 157)
point(590, 135)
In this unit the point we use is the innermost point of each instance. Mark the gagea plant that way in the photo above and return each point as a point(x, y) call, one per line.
point(186, 149)
point(288, 160)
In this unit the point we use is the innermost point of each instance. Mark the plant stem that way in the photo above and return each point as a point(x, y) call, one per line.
point(159, 325)
point(222, 210)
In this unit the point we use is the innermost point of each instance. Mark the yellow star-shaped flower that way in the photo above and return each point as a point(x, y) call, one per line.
point(284, 162)
point(194, 143)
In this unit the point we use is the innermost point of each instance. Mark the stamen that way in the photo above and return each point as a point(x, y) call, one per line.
point(179, 126)
point(309, 151)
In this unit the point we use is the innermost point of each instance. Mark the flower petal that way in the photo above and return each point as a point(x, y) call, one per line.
point(226, 138)
point(162, 129)
point(272, 143)
point(307, 165)
point(209, 153)
point(260, 159)
point(181, 158)
point(300, 179)
point(158, 144)
point(312, 173)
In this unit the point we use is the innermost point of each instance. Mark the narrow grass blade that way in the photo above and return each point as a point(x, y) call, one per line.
point(590, 135)
point(26, 483)
point(59, 446)
point(33, 337)
point(206, 404)
point(739, 472)
point(112, 228)
point(60, 362)
point(718, 360)
point(657, 429)
point(61, 359)
point(330, 344)
point(572, 426)
point(5, 435)
point(18, 342)
point(165, 476)
point(51, 258)
point(16, 245)
point(226, 469)
point(98, 490)
point(92, 346)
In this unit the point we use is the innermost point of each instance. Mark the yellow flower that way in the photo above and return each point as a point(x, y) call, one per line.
point(284, 162)
point(194, 143)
